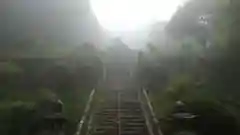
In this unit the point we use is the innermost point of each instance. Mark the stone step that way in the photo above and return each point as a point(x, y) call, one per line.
point(130, 132)
point(102, 128)
point(126, 117)
point(106, 119)
point(132, 128)
point(133, 124)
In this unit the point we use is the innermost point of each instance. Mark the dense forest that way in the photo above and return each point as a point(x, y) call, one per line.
point(46, 56)
point(29, 82)
point(197, 63)
point(194, 59)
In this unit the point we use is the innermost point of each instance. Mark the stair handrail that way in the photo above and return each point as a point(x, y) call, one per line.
point(152, 114)
point(85, 113)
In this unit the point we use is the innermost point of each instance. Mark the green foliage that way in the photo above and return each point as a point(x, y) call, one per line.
point(180, 87)
point(10, 67)
point(200, 64)
point(186, 21)
point(16, 117)
point(69, 78)
point(10, 74)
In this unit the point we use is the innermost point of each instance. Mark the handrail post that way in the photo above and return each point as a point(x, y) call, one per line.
point(85, 114)
point(119, 112)
point(153, 118)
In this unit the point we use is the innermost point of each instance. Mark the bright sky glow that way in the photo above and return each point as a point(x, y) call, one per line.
point(125, 15)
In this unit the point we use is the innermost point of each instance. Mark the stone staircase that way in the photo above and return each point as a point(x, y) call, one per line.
point(132, 119)
point(119, 114)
